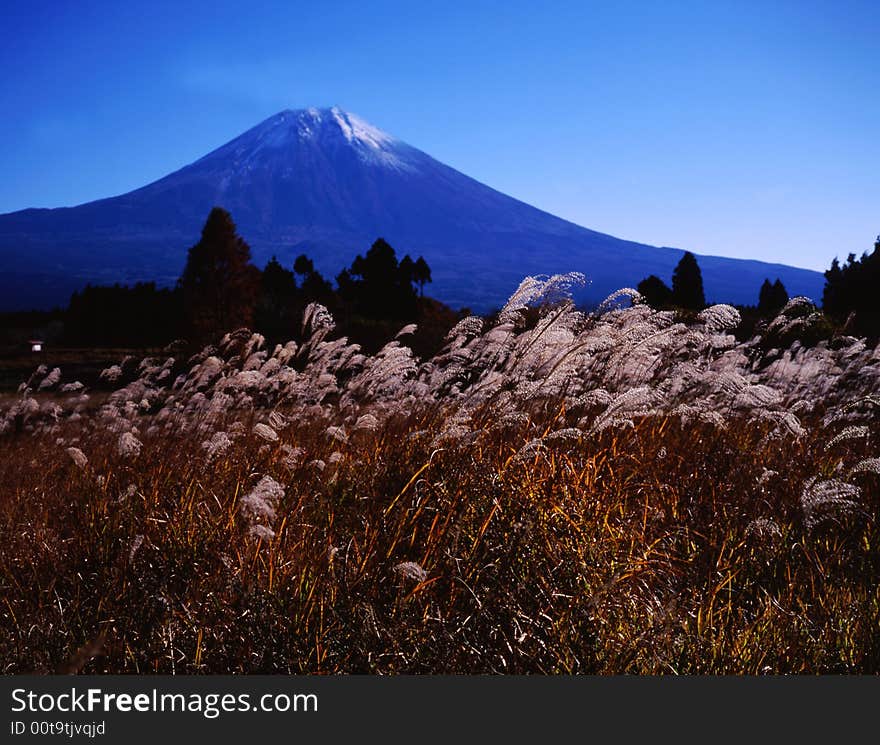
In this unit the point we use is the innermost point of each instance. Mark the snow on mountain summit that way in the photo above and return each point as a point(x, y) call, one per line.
point(296, 129)
point(357, 130)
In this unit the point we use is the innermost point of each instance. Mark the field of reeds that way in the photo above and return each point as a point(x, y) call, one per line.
point(621, 491)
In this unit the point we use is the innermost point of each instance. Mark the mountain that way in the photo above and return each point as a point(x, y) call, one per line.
point(326, 183)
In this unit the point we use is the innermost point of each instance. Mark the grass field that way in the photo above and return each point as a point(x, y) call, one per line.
point(85, 365)
point(556, 492)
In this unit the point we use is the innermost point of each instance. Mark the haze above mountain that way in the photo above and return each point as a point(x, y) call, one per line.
point(326, 183)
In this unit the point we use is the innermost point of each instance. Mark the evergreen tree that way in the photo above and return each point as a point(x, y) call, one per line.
point(277, 304)
point(832, 300)
point(379, 287)
point(772, 297)
point(780, 294)
point(407, 270)
point(219, 284)
point(851, 292)
point(765, 298)
point(303, 265)
point(138, 316)
point(313, 287)
point(687, 284)
point(655, 291)
point(421, 274)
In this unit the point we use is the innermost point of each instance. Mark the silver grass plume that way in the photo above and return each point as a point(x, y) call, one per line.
point(828, 501)
point(411, 570)
point(259, 504)
point(129, 446)
point(854, 432)
point(78, 457)
point(265, 432)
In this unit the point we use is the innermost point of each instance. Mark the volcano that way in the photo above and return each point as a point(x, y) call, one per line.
point(326, 183)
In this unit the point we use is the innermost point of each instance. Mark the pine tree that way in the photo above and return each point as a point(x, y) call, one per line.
point(851, 292)
point(687, 284)
point(780, 294)
point(772, 297)
point(832, 300)
point(421, 274)
point(407, 270)
point(275, 312)
point(655, 291)
point(378, 286)
point(313, 287)
point(219, 284)
point(303, 265)
point(765, 298)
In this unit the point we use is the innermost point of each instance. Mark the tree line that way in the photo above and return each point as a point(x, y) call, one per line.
point(852, 292)
point(850, 299)
point(221, 289)
point(687, 291)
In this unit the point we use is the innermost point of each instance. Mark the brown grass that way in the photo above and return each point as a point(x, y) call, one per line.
point(634, 551)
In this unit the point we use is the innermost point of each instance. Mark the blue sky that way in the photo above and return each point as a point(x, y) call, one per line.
point(745, 129)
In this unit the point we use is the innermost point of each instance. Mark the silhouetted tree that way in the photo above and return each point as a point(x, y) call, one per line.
point(137, 316)
point(303, 265)
point(765, 297)
point(655, 291)
point(772, 298)
point(421, 274)
point(377, 286)
point(687, 284)
point(313, 286)
point(407, 270)
point(376, 296)
point(831, 294)
point(219, 283)
point(275, 315)
point(780, 294)
point(852, 292)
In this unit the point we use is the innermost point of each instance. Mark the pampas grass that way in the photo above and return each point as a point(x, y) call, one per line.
point(622, 491)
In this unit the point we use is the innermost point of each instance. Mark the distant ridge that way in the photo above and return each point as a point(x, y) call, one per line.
point(327, 183)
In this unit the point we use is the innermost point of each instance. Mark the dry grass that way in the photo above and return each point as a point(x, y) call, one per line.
point(658, 548)
point(554, 492)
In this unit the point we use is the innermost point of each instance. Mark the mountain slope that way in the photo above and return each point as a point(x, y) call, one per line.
point(325, 182)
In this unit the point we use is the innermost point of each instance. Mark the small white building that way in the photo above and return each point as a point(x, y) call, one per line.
point(36, 345)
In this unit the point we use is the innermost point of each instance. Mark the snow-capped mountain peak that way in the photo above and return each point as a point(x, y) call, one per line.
point(358, 131)
point(295, 129)
point(324, 182)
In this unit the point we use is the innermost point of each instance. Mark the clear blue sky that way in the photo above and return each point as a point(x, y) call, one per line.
point(748, 129)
